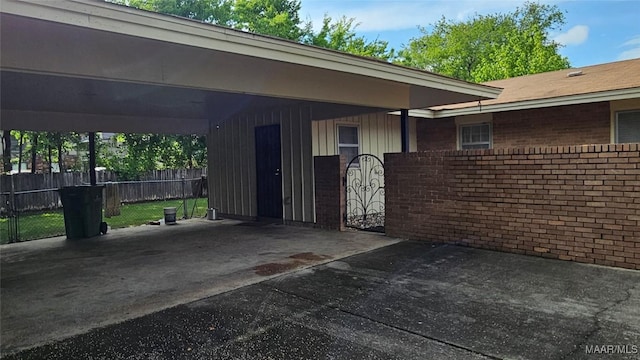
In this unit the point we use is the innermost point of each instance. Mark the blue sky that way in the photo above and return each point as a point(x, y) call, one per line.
point(595, 32)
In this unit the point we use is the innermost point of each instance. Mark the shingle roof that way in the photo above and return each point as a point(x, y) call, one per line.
point(556, 84)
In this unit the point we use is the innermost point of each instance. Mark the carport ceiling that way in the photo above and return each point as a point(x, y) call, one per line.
point(89, 65)
point(81, 104)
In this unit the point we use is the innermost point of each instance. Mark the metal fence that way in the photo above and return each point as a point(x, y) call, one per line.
point(153, 185)
point(35, 214)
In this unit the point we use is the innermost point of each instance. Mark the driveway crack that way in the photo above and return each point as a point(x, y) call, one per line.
point(407, 331)
point(597, 326)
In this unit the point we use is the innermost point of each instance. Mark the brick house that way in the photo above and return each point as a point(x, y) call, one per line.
point(550, 168)
point(597, 104)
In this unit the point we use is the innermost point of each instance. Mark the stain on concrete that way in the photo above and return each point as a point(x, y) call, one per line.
point(152, 252)
point(276, 268)
point(309, 256)
point(299, 260)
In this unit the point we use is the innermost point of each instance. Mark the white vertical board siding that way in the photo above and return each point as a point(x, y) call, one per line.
point(232, 163)
point(379, 133)
point(308, 183)
point(286, 163)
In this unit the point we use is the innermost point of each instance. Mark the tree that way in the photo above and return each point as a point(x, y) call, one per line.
point(210, 11)
point(6, 151)
point(60, 141)
point(140, 155)
point(490, 47)
point(33, 138)
point(269, 17)
point(132, 154)
point(194, 150)
point(20, 135)
point(279, 18)
point(341, 35)
point(55, 143)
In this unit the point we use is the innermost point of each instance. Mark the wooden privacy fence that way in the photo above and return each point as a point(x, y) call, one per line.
point(37, 191)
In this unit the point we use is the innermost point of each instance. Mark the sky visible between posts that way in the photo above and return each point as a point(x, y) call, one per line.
point(595, 31)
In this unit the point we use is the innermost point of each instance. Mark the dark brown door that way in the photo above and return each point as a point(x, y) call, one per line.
point(269, 171)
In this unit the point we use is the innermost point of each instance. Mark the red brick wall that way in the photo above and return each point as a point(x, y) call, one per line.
point(329, 190)
point(554, 126)
point(436, 134)
point(578, 203)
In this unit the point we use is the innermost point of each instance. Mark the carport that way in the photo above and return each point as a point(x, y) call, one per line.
point(85, 66)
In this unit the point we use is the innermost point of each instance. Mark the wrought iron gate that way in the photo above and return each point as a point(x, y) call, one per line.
point(364, 193)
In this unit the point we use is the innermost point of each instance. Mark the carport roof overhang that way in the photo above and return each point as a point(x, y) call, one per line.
point(80, 65)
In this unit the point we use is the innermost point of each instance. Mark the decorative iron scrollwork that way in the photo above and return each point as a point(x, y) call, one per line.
point(364, 185)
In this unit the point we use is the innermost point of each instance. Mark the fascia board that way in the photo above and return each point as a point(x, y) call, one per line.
point(119, 19)
point(529, 104)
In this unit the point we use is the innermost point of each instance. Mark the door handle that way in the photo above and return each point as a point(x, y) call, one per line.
point(277, 172)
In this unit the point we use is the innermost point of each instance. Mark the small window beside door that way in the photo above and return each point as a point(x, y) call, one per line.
point(628, 127)
point(475, 136)
point(348, 142)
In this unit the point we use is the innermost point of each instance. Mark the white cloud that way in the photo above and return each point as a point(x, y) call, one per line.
point(635, 41)
point(632, 53)
point(377, 16)
point(574, 36)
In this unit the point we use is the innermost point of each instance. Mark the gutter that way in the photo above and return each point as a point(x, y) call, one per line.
point(621, 94)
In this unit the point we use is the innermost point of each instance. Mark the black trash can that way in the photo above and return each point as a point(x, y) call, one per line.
point(82, 207)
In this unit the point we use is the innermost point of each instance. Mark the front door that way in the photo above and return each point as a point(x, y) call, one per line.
point(268, 171)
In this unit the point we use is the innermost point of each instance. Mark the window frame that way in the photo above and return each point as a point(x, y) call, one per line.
point(471, 124)
point(349, 145)
point(617, 119)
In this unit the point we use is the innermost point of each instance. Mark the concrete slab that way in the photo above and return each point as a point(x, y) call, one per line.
point(54, 288)
point(409, 300)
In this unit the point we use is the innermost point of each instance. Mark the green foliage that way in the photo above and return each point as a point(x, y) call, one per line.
point(341, 35)
point(211, 11)
point(279, 18)
point(269, 17)
point(132, 154)
point(490, 47)
point(139, 153)
point(6, 151)
point(55, 144)
point(128, 155)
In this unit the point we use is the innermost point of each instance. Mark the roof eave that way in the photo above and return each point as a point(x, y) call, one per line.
point(111, 17)
point(621, 94)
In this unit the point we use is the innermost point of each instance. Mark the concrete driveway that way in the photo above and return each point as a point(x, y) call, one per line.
point(407, 300)
point(55, 288)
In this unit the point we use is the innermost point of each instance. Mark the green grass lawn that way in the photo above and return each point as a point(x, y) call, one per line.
point(51, 223)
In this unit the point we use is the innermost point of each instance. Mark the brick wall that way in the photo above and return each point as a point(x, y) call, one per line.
point(579, 203)
point(553, 126)
point(436, 134)
point(329, 191)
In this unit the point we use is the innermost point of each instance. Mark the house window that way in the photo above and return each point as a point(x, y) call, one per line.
point(475, 136)
point(628, 127)
point(348, 144)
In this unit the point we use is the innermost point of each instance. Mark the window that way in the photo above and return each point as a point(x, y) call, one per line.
point(475, 136)
point(348, 144)
point(628, 127)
